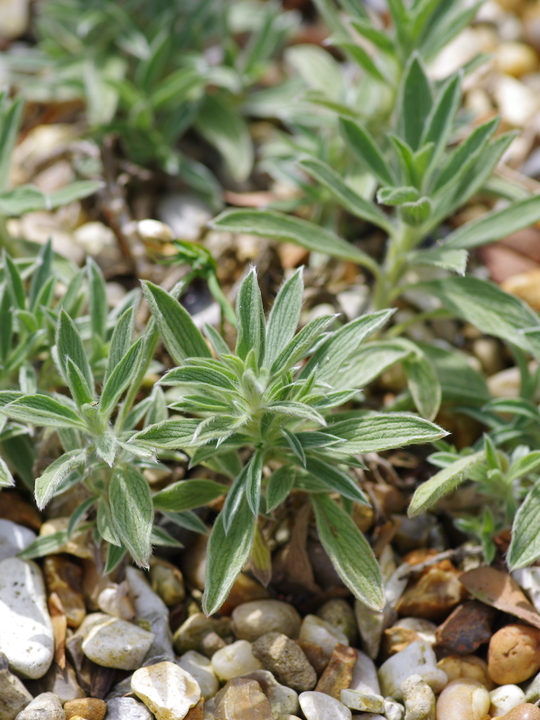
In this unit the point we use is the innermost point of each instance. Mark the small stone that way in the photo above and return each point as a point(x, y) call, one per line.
point(316, 656)
point(64, 577)
point(517, 103)
point(419, 699)
point(200, 668)
point(152, 230)
point(283, 657)
point(393, 710)
point(79, 544)
point(89, 708)
point(46, 706)
point(166, 689)
point(463, 699)
point(167, 582)
point(514, 654)
point(123, 708)
point(15, 509)
point(526, 286)
point(235, 660)
point(468, 627)
point(210, 644)
point(245, 589)
point(185, 214)
point(151, 608)
point(14, 697)
point(197, 711)
point(364, 678)
point(318, 706)
point(253, 619)
point(527, 711)
point(339, 671)
point(14, 538)
point(405, 631)
point(61, 682)
point(362, 701)
point(417, 659)
point(515, 58)
point(466, 666)
point(242, 699)
point(14, 18)
point(505, 698)
point(283, 700)
point(118, 644)
point(433, 594)
point(321, 633)
point(190, 634)
point(340, 615)
point(114, 600)
point(27, 634)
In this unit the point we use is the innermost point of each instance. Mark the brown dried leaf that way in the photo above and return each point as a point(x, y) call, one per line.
point(59, 624)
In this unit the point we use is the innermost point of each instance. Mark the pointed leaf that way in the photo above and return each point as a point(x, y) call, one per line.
point(416, 102)
point(132, 511)
point(42, 410)
point(284, 317)
point(70, 345)
point(251, 331)
point(120, 378)
point(188, 494)
point(366, 149)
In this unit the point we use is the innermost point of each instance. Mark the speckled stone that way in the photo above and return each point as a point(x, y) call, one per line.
point(283, 657)
point(46, 706)
point(124, 708)
point(320, 632)
point(89, 708)
point(318, 706)
point(242, 699)
point(253, 619)
point(14, 697)
point(200, 667)
point(117, 644)
point(166, 689)
point(234, 660)
point(283, 700)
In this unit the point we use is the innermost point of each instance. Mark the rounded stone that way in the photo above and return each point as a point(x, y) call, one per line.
point(321, 633)
point(514, 654)
point(26, 635)
point(200, 667)
point(166, 689)
point(340, 615)
point(117, 644)
point(253, 619)
point(466, 666)
point(318, 706)
point(463, 699)
point(89, 708)
point(46, 706)
point(526, 711)
point(124, 708)
point(504, 699)
point(14, 538)
point(286, 660)
point(234, 660)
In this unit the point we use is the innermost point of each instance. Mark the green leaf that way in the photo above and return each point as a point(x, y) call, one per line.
point(460, 382)
point(364, 146)
point(164, 539)
point(97, 299)
point(132, 511)
point(291, 229)
point(349, 552)
point(73, 191)
point(44, 545)
point(380, 39)
point(443, 483)
point(348, 197)
point(416, 213)
point(107, 446)
point(42, 410)
point(22, 199)
point(301, 344)
point(295, 445)
point(224, 127)
point(227, 554)
point(70, 345)
point(251, 331)
point(78, 514)
point(439, 124)
point(6, 478)
point(443, 257)
point(360, 56)
point(284, 317)
point(253, 481)
point(525, 546)
point(121, 339)
point(187, 519)
point(376, 432)
point(14, 282)
point(415, 102)
point(279, 486)
point(524, 466)
point(42, 273)
point(115, 555)
point(120, 378)
point(297, 410)
point(331, 355)
point(10, 119)
point(174, 433)
point(424, 385)
point(489, 308)
point(397, 195)
point(77, 384)
point(336, 480)
point(188, 494)
point(180, 335)
point(496, 224)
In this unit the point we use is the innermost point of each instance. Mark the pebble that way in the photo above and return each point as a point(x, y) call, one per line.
point(338, 673)
point(78, 545)
point(433, 594)
point(89, 708)
point(405, 631)
point(200, 667)
point(167, 582)
point(46, 706)
point(340, 615)
point(197, 712)
point(463, 699)
point(235, 660)
point(253, 619)
point(419, 699)
point(166, 689)
point(393, 710)
point(468, 627)
point(418, 658)
point(320, 632)
point(14, 538)
point(64, 577)
point(242, 699)
point(505, 698)
point(14, 18)
point(466, 666)
point(526, 286)
point(61, 682)
point(154, 230)
point(185, 214)
point(515, 58)
point(117, 644)
point(514, 654)
point(318, 706)
point(114, 600)
point(285, 659)
point(316, 656)
point(27, 633)
point(363, 702)
point(517, 103)
point(14, 697)
point(191, 633)
point(283, 700)
point(371, 624)
point(364, 678)
point(527, 711)
point(150, 607)
point(124, 708)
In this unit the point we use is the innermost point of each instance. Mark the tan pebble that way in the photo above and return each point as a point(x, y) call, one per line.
point(434, 594)
point(466, 666)
point(196, 712)
point(339, 671)
point(526, 711)
point(514, 654)
point(463, 699)
point(89, 708)
point(515, 58)
point(526, 286)
point(315, 654)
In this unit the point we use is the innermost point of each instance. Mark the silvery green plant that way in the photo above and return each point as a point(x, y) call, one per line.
point(268, 416)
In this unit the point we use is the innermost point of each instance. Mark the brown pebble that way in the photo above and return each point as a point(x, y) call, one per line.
point(285, 660)
point(318, 659)
point(88, 708)
point(433, 594)
point(242, 699)
point(514, 654)
point(468, 627)
point(64, 578)
point(339, 671)
point(196, 712)
point(526, 711)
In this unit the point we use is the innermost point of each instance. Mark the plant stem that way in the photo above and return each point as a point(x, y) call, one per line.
point(395, 264)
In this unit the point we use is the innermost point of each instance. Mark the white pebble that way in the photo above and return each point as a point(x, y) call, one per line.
point(14, 538)
point(201, 669)
point(235, 660)
point(504, 698)
point(417, 658)
point(321, 633)
point(166, 689)
point(319, 706)
point(117, 644)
